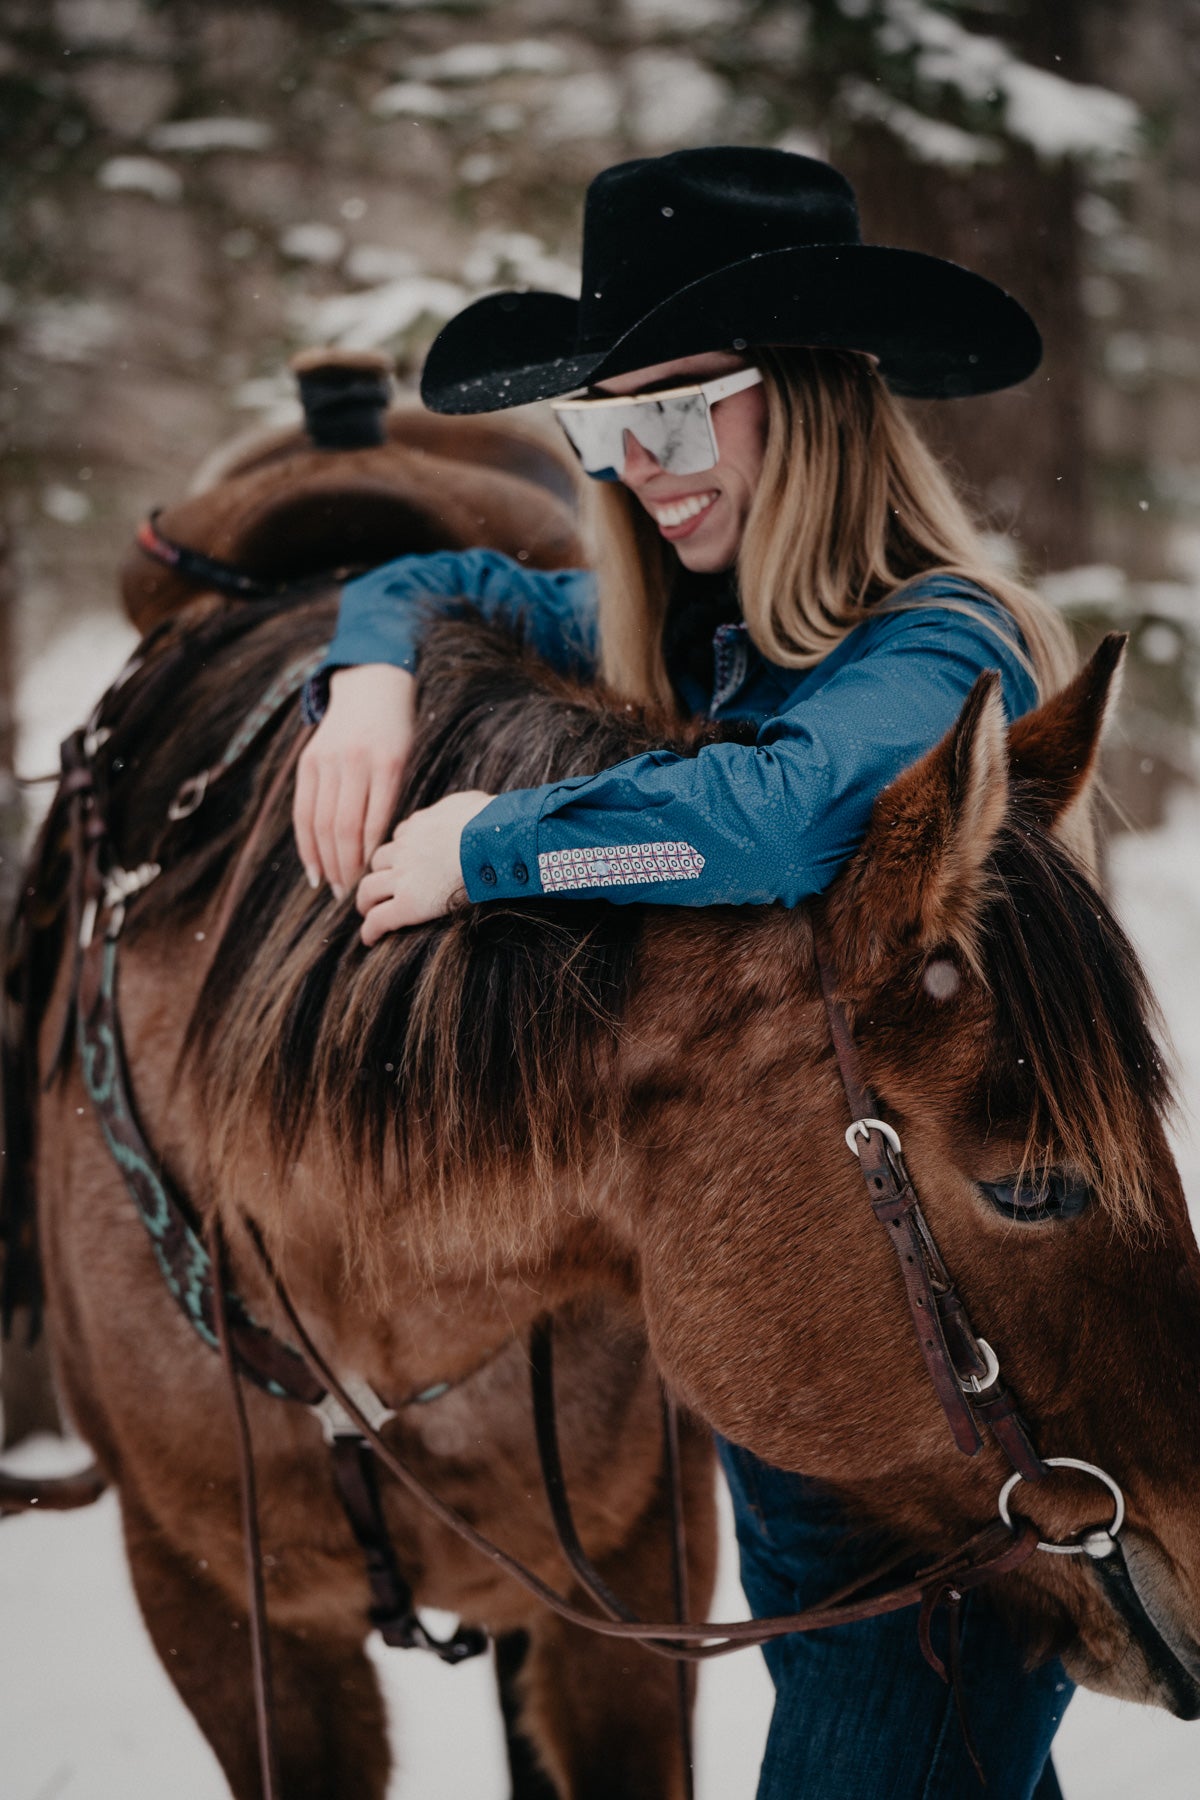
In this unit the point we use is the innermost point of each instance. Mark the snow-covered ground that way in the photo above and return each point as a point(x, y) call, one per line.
point(87, 1713)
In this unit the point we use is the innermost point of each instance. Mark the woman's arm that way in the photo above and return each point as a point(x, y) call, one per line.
point(349, 775)
point(746, 824)
point(737, 824)
point(383, 614)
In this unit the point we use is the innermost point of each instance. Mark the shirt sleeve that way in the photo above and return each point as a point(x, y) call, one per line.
point(747, 824)
point(383, 614)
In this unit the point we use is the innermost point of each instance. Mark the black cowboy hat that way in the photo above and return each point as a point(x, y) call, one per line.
point(725, 248)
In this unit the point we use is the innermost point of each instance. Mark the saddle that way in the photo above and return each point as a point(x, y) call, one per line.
point(359, 483)
point(356, 484)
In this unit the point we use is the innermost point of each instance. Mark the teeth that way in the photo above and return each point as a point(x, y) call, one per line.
point(682, 510)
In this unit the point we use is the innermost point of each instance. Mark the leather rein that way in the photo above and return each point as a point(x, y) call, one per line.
point(962, 1367)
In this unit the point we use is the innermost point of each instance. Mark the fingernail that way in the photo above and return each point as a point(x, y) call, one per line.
point(339, 893)
point(314, 879)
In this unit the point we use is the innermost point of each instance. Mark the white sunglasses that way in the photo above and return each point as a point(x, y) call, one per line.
point(675, 426)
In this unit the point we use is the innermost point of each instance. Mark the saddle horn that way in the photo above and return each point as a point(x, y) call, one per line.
point(345, 395)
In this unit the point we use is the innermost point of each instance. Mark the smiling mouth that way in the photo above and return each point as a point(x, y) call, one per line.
point(682, 512)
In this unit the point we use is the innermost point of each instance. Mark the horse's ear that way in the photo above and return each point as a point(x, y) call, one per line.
point(918, 878)
point(1054, 751)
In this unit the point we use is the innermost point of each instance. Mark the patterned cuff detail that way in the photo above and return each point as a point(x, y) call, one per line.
point(618, 865)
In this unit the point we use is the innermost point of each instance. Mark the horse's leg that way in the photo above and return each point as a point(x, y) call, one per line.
point(28, 1402)
point(528, 1780)
point(604, 1715)
point(329, 1718)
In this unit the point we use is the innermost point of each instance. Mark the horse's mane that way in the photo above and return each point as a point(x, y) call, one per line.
point(482, 1046)
point(485, 1036)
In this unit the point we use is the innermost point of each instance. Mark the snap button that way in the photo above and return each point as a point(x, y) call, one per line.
point(488, 874)
point(520, 872)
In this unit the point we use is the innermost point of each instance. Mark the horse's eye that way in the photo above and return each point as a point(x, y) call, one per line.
point(1059, 1195)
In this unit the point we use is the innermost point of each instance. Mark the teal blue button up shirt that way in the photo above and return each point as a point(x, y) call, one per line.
point(736, 824)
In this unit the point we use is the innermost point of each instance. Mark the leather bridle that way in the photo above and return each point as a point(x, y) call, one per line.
point(961, 1365)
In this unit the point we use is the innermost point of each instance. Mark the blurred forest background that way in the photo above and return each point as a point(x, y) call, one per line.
point(191, 191)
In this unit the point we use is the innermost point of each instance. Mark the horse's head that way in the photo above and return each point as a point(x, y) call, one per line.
point(1005, 1026)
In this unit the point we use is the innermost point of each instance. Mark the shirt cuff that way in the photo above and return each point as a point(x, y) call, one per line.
point(498, 847)
point(377, 624)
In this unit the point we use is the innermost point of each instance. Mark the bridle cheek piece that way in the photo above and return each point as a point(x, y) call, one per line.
point(964, 1368)
point(985, 1389)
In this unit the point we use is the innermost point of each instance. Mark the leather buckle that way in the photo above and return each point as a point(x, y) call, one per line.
point(979, 1384)
point(862, 1128)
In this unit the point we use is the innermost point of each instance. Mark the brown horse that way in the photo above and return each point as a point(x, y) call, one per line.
point(630, 1118)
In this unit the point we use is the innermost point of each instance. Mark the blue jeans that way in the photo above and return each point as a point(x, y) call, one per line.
point(859, 1714)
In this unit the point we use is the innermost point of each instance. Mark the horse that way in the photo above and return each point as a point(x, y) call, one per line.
point(632, 1120)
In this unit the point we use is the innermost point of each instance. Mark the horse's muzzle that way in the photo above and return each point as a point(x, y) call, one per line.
point(1141, 1587)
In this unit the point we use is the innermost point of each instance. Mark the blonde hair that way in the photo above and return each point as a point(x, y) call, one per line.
point(851, 507)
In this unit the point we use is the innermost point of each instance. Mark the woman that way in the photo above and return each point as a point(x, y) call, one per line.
point(775, 544)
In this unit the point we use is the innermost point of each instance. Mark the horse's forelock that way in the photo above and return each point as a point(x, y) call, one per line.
point(1076, 1026)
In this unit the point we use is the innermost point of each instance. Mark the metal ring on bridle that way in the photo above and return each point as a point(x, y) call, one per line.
point(862, 1128)
point(1091, 1545)
point(189, 796)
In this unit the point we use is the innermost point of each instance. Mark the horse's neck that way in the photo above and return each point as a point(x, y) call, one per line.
point(408, 1279)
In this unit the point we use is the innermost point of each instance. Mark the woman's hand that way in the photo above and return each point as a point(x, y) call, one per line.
point(348, 776)
point(417, 874)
